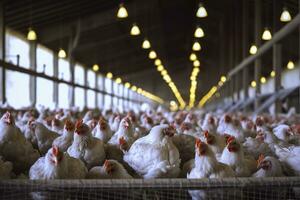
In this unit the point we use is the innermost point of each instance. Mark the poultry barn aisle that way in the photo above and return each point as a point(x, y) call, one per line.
point(150, 99)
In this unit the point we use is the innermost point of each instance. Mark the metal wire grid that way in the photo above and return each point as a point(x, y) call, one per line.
point(229, 188)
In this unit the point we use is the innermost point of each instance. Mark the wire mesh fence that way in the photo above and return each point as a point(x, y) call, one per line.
point(229, 188)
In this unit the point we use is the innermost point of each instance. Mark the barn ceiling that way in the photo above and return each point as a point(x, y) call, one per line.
point(168, 24)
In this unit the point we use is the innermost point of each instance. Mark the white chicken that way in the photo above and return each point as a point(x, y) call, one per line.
point(289, 156)
point(57, 126)
point(125, 132)
point(155, 155)
point(215, 142)
point(88, 116)
point(268, 167)
point(44, 136)
point(111, 169)
point(283, 132)
point(206, 164)
point(115, 123)
point(13, 145)
point(233, 155)
point(65, 140)
point(102, 131)
point(209, 123)
point(86, 147)
point(231, 127)
point(57, 165)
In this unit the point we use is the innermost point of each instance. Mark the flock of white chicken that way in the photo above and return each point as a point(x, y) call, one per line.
point(110, 145)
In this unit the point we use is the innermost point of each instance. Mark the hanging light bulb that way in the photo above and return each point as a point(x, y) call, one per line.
point(62, 53)
point(253, 84)
point(196, 63)
point(134, 88)
point(272, 74)
point(109, 75)
point(290, 65)
point(201, 12)
point(31, 34)
point(95, 67)
point(135, 30)
point(196, 46)
point(157, 62)
point(152, 54)
point(160, 68)
point(118, 80)
point(199, 33)
point(146, 44)
point(127, 85)
point(122, 12)
point(253, 49)
point(193, 57)
point(223, 79)
point(285, 15)
point(266, 34)
point(164, 72)
point(263, 80)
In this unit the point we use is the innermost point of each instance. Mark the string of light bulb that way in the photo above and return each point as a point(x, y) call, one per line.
point(199, 33)
point(136, 89)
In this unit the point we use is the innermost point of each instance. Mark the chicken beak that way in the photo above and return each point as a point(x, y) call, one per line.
point(55, 161)
point(8, 121)
point(126, 125)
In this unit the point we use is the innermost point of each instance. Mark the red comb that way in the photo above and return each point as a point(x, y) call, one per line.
point(230, 139)
point(227, 118)
point(79, 123)
point(69, 125)
point(206, 133)
point(55, 150)
point(106, 163)
point(198, 142)
point(260, 159)
point(122, 141)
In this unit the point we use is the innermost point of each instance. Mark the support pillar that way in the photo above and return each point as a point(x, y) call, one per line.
point(55, 89)
point(33, 66)
point(277, 56)
point(2, 53)
point(257, 68)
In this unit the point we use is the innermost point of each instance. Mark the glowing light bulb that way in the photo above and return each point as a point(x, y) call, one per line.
point(253, 84)
point(266, 34)
point(160, 68)
point(157, 62)
point(223, 79)
point(152, 54)
point(146, 44)
point(193, 57)
point(196, 46)
point(263, 80)
point(135, 30)
point(201, 12)
point(253, 49)
point(122, 12)
point(272, 74)
point(95, 67)
point(199, 33)
point(31, 35)
point(109, 75)
point(134, 88)
point(196, 63)
point(118, 80)
point(62, 53)
point(139, 90)
point(290, 65)
point(127, 85)
point(285, 15)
